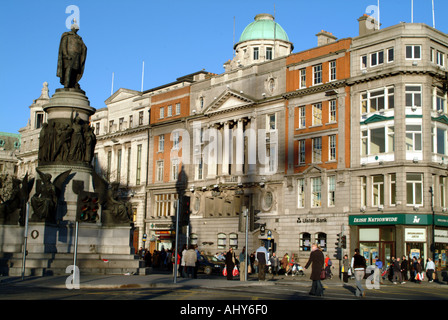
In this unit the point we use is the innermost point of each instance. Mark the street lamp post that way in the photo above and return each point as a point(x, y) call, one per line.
point(433, 245)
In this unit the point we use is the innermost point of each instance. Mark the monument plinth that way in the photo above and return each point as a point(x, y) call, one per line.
point(67, 191)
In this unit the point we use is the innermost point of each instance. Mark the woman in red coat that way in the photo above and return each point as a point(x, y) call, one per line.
point(317, 260)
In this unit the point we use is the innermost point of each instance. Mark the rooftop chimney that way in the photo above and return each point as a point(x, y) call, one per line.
point(367, 25)
point(325, 37)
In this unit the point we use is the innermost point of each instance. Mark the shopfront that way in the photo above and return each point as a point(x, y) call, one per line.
point(391, 235)
point(161, 236)
point(441, 241)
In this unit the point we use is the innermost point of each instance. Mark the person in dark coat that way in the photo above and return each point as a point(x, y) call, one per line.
point(230, 263)
point(317, 260)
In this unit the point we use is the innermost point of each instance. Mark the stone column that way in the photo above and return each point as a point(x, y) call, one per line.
point(239, 154)
point(226, 149)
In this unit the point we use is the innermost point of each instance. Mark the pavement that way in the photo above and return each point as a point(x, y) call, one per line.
point(161, 279)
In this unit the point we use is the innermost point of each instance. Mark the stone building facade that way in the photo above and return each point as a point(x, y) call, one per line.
point(345, 138)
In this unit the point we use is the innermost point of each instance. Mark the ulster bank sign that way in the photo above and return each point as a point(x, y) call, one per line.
point(392, 219)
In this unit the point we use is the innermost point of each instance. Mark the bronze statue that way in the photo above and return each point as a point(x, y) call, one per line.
point(72, 58)
point(44, 202)
point(115, 211)
point(13, 210)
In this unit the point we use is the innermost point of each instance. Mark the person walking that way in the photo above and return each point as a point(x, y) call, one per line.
point(397, 271)
point(345, 268)
point(377, 272)
point(242, 259)
point(262, 256)
point(285, 263)
point(274, 264)
point(317, 260)
point(358, 265)
point(230, 263)
point(328, 264)
point(183, 267)
point(430, 269)
point(404, 269)
point(190, 261)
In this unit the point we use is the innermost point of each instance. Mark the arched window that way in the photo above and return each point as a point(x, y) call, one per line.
point(305, 242)
point(321, 240)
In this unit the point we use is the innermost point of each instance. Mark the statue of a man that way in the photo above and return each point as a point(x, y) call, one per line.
point(72, 58)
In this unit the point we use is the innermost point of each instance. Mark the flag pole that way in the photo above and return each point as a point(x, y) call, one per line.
point(433, 16)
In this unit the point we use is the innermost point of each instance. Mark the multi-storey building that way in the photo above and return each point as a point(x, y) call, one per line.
point(347, 137)
point(318, 145)
point(398, 141)
point(29, 146)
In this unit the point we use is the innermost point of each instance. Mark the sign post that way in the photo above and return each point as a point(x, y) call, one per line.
point(26, 239)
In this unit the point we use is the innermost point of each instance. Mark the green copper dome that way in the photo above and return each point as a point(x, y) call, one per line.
point(264, 27)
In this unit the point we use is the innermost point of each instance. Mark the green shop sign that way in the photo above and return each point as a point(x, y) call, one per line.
point(393, 219)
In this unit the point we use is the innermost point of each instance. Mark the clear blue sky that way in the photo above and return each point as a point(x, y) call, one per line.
point(174, 38)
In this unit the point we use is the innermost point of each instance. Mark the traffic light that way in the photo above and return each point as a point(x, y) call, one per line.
point(338, 242)
point(87, 207)
point(338, 254)
point(253, 225)
point(185, 211)
point(344, 242)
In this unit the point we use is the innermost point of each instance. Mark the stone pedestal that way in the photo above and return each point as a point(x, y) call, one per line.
point(65, 101)
point(68, 147)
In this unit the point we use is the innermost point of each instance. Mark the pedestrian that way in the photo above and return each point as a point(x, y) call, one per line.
point(345, 268)
point(328, 264)
point(262, 256)
point(397, 271)
point(183, 266)
point(404, 269)
point(274, 264)
point(242, 260)
point(358, 265)
point(417, 270)
point(377, 273)
point(252, 262)
point(178, 269)
point(190, 261)
point(140, 253)
point(147, 258)
point(285, 263)
point(230, 263)
point(430, 269)
point(317, 260)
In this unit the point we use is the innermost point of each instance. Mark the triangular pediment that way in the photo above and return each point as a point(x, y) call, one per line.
point(442, 119)
point(376, 118)
point(313, 169)
point(229, 101)
point(121, 94)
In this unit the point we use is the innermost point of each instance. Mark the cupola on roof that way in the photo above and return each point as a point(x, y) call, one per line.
point(264, 27)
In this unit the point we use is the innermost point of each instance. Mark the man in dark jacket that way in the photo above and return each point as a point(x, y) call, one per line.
point(359, 269)
point(318, 260)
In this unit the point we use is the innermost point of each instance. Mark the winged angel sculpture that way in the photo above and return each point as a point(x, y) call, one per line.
point(45, 201)
point(114, 211)
point(13, 210)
